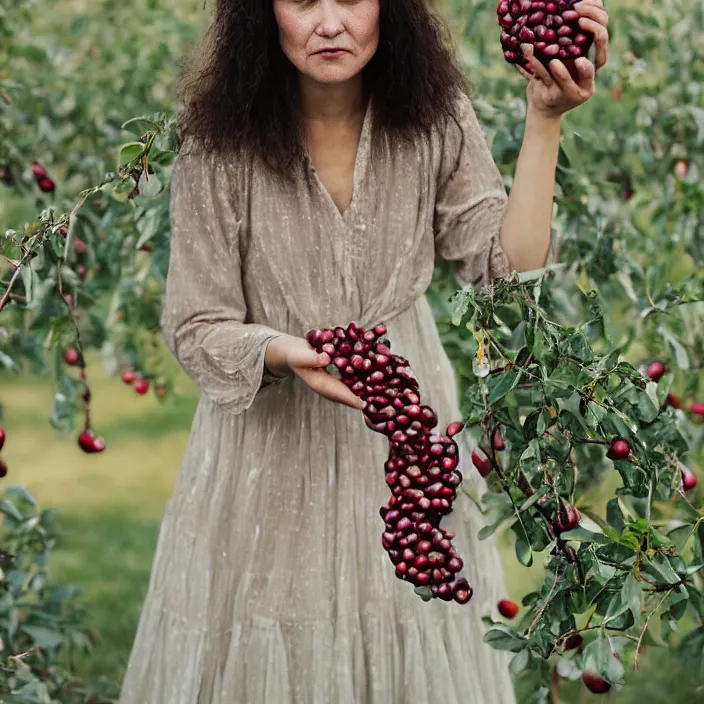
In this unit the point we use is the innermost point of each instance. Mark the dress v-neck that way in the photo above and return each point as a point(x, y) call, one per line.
point(359, 168)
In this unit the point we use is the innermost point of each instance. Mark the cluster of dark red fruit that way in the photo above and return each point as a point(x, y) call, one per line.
point(551, 27)
point(421, 470)
point(42, 178)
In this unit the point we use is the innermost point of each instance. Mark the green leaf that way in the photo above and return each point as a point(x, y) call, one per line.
point(631, 594)
point(599, 655)
point(506, 382)
point(129, 152)
point(504, 638)
point(44, 637)
point(524, 553)
point(585, 536)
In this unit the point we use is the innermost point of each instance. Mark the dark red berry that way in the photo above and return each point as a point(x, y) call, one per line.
point(38, 171)
point(71, 356)
point(3, 468)
point(89, 442)
point(570, 520)
point(141, 386)
point(507, 608)
point(483, 464)
point(697, 408)
point(498, 440)
point(46, 185)
point(2, 437)
point(689, 478)
point(128, 376)
point(574, 642)
point(619, 450)
point(595, 683)
point(656, 370)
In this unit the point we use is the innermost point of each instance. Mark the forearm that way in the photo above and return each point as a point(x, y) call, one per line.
point(525, 232)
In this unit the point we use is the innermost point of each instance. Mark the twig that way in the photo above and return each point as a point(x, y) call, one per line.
point(544, 606)
point(645, 627)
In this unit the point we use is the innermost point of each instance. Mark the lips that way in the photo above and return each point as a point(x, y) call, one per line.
point(331, 50)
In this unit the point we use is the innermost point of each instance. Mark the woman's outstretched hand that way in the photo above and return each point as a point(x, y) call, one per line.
point(554, 92)
point(287, 354)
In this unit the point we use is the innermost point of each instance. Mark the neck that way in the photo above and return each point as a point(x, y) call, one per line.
point(332, 102)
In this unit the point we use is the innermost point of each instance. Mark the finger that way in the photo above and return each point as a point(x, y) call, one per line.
point(594, 10)
point(587, 73)
point(330, 388)
point(536, 67)
point(601, 39)
point(563, 78)
point(526, 74)
point(304, 358)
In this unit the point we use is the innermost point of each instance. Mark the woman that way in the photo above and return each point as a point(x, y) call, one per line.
point(330, 152)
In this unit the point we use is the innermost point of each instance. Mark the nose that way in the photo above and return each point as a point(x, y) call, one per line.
point(330, 24)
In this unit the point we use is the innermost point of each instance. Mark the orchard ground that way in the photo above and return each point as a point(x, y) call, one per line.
point(110, 506)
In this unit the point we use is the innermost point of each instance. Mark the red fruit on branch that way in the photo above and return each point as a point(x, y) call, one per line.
point(689, 478)
point(655, 370)
point(89, 442)
point(673, 400)
point(46, 185)
point(681, 168)
point(570, 520)
point(454, 428)
point(141, 386)
point(80, 246)
point(128, 376)
point(3, 468)
point(483, 464)
point(2, 437)
point(697, 408)
point(619, 450)
point(574, 642)
point(551, 27)
point(595, 683)
point(160, 392)
point(498, 440)
point(71, 356)
point(507, 608)
point(38, 171)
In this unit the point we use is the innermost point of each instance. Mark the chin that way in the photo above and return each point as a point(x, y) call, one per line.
point(333, 76)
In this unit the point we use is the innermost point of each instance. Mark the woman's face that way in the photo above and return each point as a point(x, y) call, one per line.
point(348, 29)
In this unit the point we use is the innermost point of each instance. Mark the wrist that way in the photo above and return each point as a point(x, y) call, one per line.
point(543, 122)
point(275, 359)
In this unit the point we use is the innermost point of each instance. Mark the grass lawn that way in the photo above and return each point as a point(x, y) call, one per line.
point(110, 506)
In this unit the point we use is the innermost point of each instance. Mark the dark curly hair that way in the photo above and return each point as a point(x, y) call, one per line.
point(242, 93)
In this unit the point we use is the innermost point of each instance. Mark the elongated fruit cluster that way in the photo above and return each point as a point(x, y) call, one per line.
point(421, 470)
point(551, 27)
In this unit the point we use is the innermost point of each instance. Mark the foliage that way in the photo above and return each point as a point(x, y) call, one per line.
point(556, 357)
point(41, 621)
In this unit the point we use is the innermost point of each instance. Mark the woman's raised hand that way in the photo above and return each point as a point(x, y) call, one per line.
point(287, 354)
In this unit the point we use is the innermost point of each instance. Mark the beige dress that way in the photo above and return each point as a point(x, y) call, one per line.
point(269, 583)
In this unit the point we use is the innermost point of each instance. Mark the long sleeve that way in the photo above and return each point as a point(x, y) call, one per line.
point(203, 319)
point(470, 202)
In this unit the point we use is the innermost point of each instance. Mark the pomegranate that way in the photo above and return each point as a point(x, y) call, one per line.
point(551, 27)
point(619, 450)
point(689, 478)
point(655, 370)
point(71, 356)
point(141, 386)
point(570, 520)
point(507, 608)
point(2, 437)
point(595, 683)
point(421, 469)
point(89, 442)
point(697, 408)
point(128, 376)
point(3, 469)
